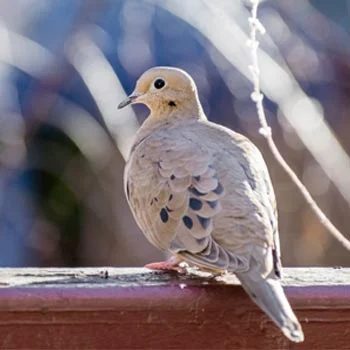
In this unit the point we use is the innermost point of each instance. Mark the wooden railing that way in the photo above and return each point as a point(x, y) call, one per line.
point(109, 308)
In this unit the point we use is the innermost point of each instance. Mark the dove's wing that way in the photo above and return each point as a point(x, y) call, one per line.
point(186, 197)
point(265, 195)
point(252, 192)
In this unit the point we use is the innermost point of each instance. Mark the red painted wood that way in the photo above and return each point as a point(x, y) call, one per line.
point(165, 317)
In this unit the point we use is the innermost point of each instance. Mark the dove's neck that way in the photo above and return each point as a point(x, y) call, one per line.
point(170, 117)
point(176, 107)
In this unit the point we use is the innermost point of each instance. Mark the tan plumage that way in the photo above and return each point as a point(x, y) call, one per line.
point(203, 192)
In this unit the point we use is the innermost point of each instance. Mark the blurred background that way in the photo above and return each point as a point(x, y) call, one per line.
point(66, 64)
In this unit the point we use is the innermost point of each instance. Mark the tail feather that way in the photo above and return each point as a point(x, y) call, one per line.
point(268, 294)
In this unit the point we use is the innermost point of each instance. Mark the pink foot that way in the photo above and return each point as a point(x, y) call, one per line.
point(171, 264)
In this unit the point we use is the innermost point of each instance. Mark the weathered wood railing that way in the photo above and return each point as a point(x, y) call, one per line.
point(109, 308)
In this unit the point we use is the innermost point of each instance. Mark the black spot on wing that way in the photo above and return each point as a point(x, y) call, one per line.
point(195, 204)
point(196, 192)
point(197, 178)
point(219, 189)
point(164, 215)
point(187, 222)
point(172, 177)
point(212, 204)
point(205, 222)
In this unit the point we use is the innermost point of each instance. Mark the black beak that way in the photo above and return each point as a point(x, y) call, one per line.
point(127, 101)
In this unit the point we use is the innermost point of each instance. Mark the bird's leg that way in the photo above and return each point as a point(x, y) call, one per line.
point(172, 264)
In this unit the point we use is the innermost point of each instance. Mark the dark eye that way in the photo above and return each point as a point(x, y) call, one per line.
point(159, 83)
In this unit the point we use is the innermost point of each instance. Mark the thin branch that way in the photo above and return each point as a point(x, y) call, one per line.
point(265, 130)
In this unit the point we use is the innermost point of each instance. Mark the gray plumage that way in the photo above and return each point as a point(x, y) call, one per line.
point(203, 193)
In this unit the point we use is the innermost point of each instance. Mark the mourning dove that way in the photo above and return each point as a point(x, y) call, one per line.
point(203, 193)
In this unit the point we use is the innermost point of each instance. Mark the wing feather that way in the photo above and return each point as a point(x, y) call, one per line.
point(189, 197)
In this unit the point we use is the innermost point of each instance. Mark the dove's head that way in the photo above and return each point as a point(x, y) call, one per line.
point(166, 90)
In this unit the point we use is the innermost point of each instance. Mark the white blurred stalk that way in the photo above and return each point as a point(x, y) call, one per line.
point(105, 88)
point(23, 53)
point(88, 135)
point(265, 130)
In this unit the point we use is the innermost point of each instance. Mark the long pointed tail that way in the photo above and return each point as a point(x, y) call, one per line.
point(268, 294)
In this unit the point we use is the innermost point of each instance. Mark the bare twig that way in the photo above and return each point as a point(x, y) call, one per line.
point(265, 130)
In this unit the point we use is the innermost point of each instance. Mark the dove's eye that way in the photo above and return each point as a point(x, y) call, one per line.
point(159, 83)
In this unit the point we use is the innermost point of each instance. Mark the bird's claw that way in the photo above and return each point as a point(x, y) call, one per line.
point(172, 264)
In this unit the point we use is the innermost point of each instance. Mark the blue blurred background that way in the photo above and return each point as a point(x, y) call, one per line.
point(66, 64)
